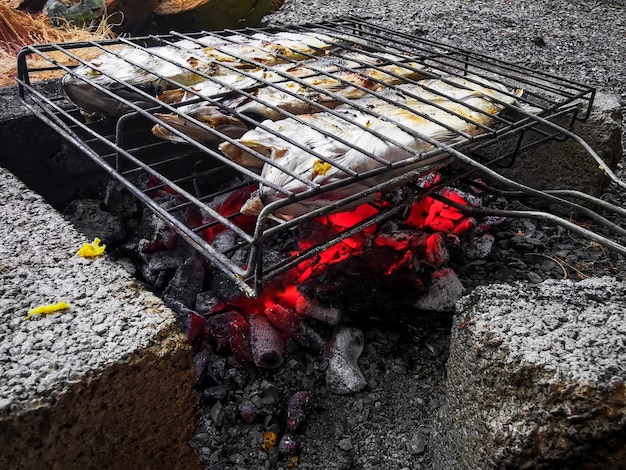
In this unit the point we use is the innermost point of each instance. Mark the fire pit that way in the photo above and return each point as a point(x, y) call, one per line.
point(128, 143)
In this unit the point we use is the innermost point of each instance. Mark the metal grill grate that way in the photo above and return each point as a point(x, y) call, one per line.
point(382, 68)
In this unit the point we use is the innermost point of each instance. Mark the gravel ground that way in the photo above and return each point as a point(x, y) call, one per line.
point(388, 425)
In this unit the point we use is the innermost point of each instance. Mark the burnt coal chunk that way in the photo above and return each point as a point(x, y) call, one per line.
point(363, 282)
point(187, 282)
point(91, 217)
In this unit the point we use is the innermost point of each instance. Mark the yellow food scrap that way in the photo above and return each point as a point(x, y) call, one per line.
point(91, 250)
point(47, 309)
point(270, 439)
point(320, 167)
point(292, 461)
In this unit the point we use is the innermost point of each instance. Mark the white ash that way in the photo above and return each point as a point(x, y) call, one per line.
point(343, 374)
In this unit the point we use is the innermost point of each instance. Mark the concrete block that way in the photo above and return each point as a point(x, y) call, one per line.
point(105, 384)
point(566, 165)
point(535, 378)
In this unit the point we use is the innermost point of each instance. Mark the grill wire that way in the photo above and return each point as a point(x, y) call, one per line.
point(201, 175)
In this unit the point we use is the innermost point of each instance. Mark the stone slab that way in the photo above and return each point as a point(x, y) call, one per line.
point(566, 165)
point(105, 384)
point(535, 378)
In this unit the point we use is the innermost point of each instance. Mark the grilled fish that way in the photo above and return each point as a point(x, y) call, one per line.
point(354, 141)
point(329, 92)
point(136, 74)
point(318, 89)
point(206, 111)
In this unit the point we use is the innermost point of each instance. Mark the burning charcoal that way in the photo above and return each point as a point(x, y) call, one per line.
point(436, 251)
point(187, 282)
point(217, 327)
point(282, 318)
point(343, 375)
point(295, 409)
point(392, 236)
point(207, 303)
point(240, 341)
point(289, 445)
point(91, 218)
point(295, 327)
point(230, 331)
point(312, 309)
point(445, 290)
point(266, 343)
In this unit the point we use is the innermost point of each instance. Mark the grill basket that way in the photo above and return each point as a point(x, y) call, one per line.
point(200, 175)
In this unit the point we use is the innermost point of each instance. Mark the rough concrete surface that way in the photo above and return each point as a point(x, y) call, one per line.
point(559, 165)
point(105, 384)
point(535, 378)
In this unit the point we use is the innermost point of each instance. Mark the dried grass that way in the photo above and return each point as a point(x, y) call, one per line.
point(18, 29)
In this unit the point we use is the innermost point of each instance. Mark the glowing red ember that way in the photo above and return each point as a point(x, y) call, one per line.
point(413, 248)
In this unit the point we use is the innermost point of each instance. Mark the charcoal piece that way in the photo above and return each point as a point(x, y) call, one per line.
point(266, 343)
point(216, 328)
point(312, 309)
point(295, 327)
point(224, 288)
point(478, 247)
point(444, 291)
point(343, 375)
point(313, 335)
point(157, 279)
point(289, 445)
point(187, 282)
point(224, 241)
point(364, 282)
point(207, 302)
point(240, 342)
point(437, 253)
point(210, 367)
point(121, 202)
point(271, 257)
point(154, 234)
point(200, 362)
point(189, 321)
point(248, 411)
point(214, 394)
point(295, 409)
point(157, 268)
point(91, 218)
